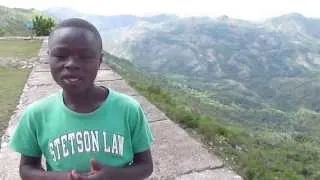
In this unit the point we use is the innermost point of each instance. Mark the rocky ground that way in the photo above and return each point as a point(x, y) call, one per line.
point(20, 63)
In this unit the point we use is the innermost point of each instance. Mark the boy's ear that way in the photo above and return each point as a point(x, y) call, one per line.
point(101, 57)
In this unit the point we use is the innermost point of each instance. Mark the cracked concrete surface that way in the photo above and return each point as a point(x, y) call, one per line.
point(176, 155)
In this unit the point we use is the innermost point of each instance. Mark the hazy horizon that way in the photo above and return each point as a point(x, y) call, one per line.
point(246, 9)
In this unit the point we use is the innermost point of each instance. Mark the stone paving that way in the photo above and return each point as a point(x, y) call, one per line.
point(176, 155)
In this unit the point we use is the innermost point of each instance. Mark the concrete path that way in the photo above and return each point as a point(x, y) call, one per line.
point(176, 155)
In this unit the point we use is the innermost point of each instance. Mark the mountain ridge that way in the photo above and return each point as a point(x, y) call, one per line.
point(257, 57)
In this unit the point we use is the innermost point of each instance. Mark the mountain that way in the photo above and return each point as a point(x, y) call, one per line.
point(106, 23)
point(12, 20)
point(297, 24)
point(103, 23)
point(62, 13)
point(251, 68)
point(210, 48)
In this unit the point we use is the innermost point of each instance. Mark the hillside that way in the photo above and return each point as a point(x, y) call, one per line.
point(258, 73)
point(106, 23)
point(296, 24)
point(255, 154)
point(12, 21)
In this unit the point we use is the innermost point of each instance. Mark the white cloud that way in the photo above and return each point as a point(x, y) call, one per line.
point(244, 9)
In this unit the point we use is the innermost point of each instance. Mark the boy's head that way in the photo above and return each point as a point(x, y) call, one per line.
point(75, 54)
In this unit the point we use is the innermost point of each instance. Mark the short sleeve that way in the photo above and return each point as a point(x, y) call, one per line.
point(24, 139)
point(141, 133)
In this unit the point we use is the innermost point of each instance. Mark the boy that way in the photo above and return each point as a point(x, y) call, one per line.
point(84, 131)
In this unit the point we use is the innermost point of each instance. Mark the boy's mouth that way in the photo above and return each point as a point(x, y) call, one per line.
point(71, 80)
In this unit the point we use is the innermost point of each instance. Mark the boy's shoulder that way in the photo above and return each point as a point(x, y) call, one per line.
point(44, 104)
point(123, 99)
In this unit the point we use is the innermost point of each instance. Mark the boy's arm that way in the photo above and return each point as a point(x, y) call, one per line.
point(141, 168)
point(31, 169)
point(141, 138)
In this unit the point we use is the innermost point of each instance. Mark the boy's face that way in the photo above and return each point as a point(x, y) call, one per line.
point(74, 58)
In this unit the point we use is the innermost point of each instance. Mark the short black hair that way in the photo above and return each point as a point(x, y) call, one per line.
point(79, 23)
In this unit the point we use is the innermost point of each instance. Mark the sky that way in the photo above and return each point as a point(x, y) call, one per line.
point(242, 9)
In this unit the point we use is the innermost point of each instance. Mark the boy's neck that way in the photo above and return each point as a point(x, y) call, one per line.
point(87, 101)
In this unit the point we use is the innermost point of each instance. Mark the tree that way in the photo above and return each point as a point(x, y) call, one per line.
point(2, 32)
point(42, 26)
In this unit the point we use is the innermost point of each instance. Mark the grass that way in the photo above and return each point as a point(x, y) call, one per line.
point(255, 156)
point(12, 79)
point(19, 48)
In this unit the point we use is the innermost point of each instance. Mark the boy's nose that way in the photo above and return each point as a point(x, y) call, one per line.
point(71, 63)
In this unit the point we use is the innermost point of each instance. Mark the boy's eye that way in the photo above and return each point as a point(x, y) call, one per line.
point(60, 57)
point(86, 56)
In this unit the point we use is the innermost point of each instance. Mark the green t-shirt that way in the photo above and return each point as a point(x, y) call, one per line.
point(112, 134)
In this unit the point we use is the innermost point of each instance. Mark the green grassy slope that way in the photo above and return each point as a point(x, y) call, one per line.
point(255, 152)
point(13, 77)
point(12, 21)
